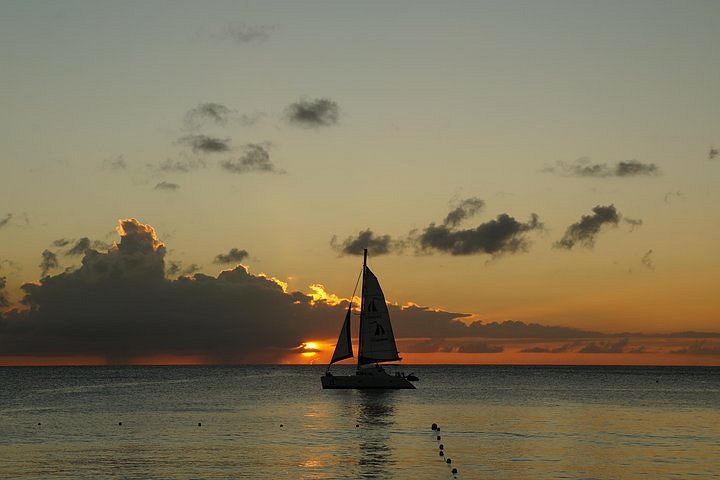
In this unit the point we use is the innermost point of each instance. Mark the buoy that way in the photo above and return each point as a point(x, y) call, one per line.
point(448, 461)
point(38, 423)
point(438, 437)
point(119, 423)
point(442, 447)
point(438, 429)
point(357, 425)
point(442, 454)
point(454, 471)
point(199, 424)
point(434, 426)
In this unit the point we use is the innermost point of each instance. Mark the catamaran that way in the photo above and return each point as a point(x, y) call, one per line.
point(376, 343)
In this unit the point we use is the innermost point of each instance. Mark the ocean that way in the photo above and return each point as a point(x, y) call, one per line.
point(275, 422)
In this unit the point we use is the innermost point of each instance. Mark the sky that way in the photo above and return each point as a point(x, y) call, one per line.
point(185, 182)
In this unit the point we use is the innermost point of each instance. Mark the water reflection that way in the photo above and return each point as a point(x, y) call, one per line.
point(376, 417)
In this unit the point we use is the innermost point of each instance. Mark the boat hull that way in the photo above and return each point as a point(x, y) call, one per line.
point(375, 380)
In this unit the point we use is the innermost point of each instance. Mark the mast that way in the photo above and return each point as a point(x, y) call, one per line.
point(362, 304)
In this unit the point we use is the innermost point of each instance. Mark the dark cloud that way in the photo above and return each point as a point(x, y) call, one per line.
point(206, 144)
point(502, 235)
point(119, 305)
point(585, 231)
point(4, 302)
point(647, 260)
point(81, 247)
point(246, 34)
point(605, 347)
point(321, 112)
point(561, 349)
point(49, 262)
point(182, 165)
point(700, 347)
point(466, 209)
point(376, 245)
point(175, 268)
point(235, 255)
point(207, 113)
point(478, 347)
point(6, 220)
point(582, 167)
point(714, 152)
point(255, 158)
point(166, 186)
point(115, 163)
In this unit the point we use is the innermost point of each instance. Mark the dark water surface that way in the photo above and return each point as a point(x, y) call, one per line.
point(496, 422)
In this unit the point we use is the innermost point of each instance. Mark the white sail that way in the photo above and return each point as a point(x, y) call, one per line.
point(377, 342)
point(343, 348)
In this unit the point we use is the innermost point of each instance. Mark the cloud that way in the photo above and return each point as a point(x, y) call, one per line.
point(206, 144)
point(647, 260)
point(115, 163)
point(166, 186)
point(582, 167)
point(700, 347)
point(49, 262)
point(6, 220)
point(605, 347)
point(466, 209)
point(633, 223)
point(81, 247)
point(61, 242)
point(714, 152)
point(207, 113)
point(255, 158)
point(233, 256)
point(321, 112)
point(175, 268)
point(478, 347)
point(3, 299)
point(585, 231)
point(182, 165)
point(376, 245)
point(670, 195)
point(246, 34)
point(502, 235)
point(561, 349)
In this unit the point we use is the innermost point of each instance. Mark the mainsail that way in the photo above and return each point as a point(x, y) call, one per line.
point(377, 342)
point(343, 348)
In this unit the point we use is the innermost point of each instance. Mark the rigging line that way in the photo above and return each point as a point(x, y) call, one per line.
point(355, 290)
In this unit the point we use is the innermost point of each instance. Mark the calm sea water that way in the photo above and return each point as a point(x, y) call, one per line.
point(276, 422)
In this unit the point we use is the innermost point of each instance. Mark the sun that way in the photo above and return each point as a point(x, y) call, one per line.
point(310, 349)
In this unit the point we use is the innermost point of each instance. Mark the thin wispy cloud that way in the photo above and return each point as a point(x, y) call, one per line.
point(182, 165)
point(583, 167)
point(166, 186)
point(209, 113)
point(246, 34)
point(466, 209)
point(647, 260)
point(115, 163)
point(320, 112)
point(255, 158)
point(6, 220)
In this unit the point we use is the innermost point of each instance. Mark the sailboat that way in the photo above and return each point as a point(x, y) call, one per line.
point(376, 344)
